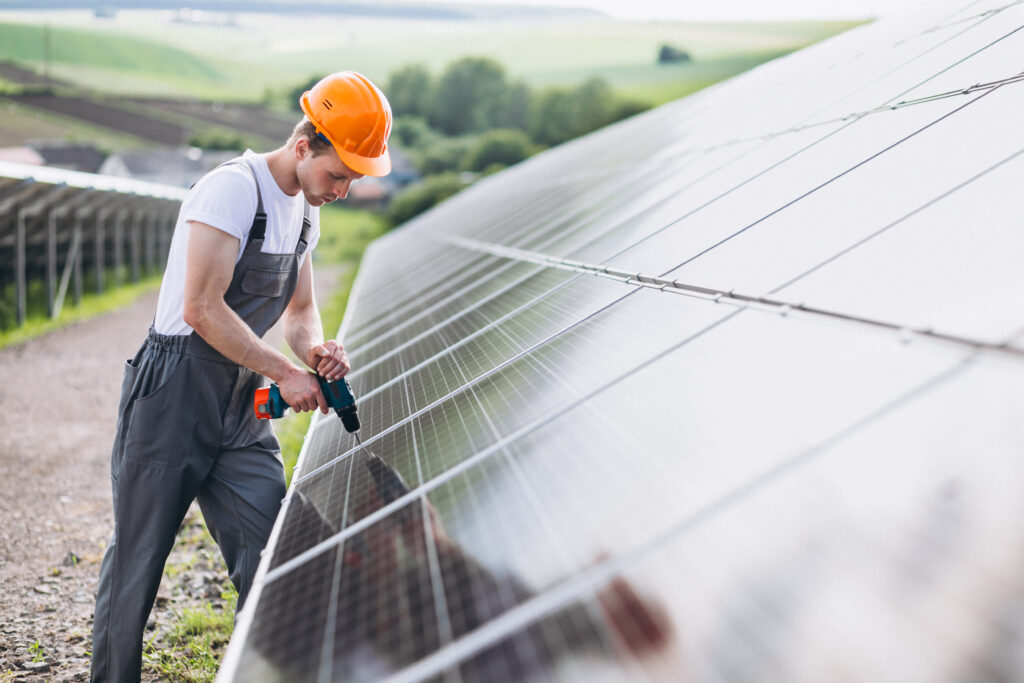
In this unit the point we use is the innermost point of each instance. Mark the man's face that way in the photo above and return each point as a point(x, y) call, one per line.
point(323, 178)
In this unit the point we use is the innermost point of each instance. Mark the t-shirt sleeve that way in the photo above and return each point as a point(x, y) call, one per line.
point(224, 199)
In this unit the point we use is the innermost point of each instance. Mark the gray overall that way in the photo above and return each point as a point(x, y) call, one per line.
point(186, 429)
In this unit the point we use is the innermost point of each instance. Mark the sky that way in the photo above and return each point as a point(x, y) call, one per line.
point(735, 10)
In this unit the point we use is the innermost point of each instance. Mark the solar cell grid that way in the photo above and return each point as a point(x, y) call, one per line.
point(581, 477)
point(864, 536)
point(525, 382)
point(789, 188)
point(406, 295)
point(451, 334)
point(940, 291)
point(472, 296)
point(803, 234)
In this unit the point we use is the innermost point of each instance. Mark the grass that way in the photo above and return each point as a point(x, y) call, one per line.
point(124, 53)
point(190, 645)
point(193, 648)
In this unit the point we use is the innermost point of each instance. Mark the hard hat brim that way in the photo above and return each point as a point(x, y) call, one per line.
point(371, 166)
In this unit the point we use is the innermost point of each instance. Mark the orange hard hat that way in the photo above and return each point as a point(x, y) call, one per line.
point(355, 117)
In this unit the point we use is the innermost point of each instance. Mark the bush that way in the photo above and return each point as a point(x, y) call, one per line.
point(421, 196)
point(219, 140)
point(502, 147)
point(623, 109)
point(413, 132)
point(445, 154)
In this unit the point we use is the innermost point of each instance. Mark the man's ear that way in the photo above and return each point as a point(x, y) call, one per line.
point(301, 148)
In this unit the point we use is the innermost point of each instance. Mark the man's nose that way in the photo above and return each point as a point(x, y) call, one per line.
point(341, 190)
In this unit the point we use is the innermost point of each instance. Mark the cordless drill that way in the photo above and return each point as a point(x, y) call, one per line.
point(270, 405)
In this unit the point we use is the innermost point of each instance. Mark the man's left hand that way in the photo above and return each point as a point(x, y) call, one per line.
point(329, 360)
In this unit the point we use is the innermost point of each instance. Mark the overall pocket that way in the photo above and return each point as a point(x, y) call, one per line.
point(161, 419)
point(131, 373)
point(269, 282)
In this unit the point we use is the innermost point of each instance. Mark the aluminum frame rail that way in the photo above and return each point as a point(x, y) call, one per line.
point(729, 391)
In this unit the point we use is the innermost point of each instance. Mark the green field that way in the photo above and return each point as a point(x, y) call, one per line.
point(149, 53)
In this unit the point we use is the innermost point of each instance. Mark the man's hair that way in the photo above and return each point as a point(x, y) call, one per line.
point(306, 129)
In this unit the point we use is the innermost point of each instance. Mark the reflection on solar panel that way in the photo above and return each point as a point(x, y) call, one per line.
point(728, 391)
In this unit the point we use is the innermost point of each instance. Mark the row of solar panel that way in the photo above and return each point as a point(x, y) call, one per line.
point(539, 443)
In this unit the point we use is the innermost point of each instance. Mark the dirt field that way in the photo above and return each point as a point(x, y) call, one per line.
point(57, 420)
point(113, 117)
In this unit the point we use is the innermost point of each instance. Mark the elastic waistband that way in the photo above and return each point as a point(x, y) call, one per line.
point(191, 344)
point(170, 342)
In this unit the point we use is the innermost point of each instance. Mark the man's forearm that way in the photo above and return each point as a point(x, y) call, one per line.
point(225, 331)
point(303, 330)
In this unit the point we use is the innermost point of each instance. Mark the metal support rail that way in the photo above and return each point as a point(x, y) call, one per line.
point(721, 295)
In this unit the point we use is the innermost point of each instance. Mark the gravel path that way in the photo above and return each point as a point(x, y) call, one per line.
point(58, 399)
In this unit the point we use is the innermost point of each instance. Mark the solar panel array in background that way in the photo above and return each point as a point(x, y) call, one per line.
point(728, 391)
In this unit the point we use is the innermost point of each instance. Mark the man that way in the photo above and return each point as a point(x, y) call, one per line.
point(239, 261)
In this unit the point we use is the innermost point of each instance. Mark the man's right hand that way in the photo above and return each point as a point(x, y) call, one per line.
point(301, 391)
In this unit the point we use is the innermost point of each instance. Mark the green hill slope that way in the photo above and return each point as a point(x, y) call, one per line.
point(70, 49)
point(150, 53)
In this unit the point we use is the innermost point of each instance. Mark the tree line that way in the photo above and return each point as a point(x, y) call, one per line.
point(474, 119)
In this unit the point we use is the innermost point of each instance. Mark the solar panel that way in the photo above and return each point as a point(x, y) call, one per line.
point(727, 391)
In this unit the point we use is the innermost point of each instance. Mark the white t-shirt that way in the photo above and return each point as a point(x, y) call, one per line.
point(225, 199)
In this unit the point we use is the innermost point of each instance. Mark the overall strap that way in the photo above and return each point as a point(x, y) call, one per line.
point(259, 222)
point(258, 231)
point(300, 248)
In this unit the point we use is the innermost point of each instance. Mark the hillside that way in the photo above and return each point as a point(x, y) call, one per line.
point(253, 56)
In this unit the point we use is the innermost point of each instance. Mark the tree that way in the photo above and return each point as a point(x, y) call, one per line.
point(470, 95)
point(296, 93)
point(592, 103)
point(669, 55)
point(419, 197)
point(413, 132)
point(551, 117)
point(411, 91)
point(561, 114)
point(515, 107)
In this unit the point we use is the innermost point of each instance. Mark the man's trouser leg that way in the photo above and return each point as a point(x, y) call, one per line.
point(242, 494)
point(168, 431)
